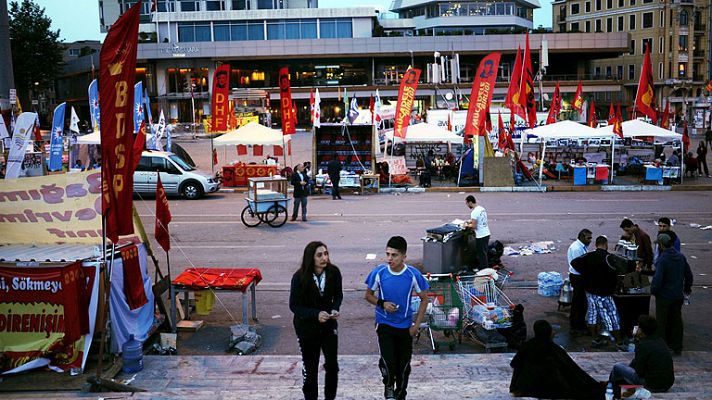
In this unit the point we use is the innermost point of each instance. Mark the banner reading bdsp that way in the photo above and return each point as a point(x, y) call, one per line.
point(51, 209)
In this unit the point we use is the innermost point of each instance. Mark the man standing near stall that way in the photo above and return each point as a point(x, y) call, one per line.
point(577, 315)
point(633, 233)
point(478, 223)
point(665, 226)
point(334, 171)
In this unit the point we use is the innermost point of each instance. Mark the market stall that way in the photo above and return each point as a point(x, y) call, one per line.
point(424, 137)
point(256, 136)
point(354, 145)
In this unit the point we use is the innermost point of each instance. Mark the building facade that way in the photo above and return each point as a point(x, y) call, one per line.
point(678, 34)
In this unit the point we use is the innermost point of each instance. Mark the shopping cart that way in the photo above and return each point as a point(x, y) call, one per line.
point(485, 307)
point(444, 313)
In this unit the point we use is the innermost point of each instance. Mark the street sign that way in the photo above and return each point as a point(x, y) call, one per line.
point(13, 96)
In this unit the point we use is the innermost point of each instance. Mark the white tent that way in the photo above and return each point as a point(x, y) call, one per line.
point(253, 134)
point(636, 128)
point(428, 133)
point(95, 138)
point(568, 130)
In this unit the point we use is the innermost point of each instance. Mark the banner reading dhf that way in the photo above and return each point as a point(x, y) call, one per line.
point(221, 90)
point(285, 102)
point(406, 98)
point(117, 65)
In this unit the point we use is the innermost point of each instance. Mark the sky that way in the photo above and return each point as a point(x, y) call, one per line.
point(79, 19)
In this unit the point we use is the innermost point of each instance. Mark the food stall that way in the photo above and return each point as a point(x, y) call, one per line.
point(632, 296)
point(256, 136)
point(354, 145)
point(423, 137)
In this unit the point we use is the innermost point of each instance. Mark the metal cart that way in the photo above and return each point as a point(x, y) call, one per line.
point(267, 202)
point(444, 313)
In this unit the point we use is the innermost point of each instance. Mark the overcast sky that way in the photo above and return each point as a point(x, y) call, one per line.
point(79, 19)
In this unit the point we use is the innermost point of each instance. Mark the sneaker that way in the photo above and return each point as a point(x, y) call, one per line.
point(640, 393)
point(389, 393)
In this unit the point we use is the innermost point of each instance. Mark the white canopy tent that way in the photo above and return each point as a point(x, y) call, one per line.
point(427, 133)
point(95, 138)
point(253, 134)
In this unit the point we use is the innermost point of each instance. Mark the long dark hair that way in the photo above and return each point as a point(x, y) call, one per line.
point(307, 268)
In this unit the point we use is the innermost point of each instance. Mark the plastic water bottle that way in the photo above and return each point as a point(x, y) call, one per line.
point(132, 355)
point(609, 391)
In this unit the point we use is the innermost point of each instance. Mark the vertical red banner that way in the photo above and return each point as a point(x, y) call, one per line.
point(117, 70)
point(406, 98)
point(481, 95)
point(285, 102)
point(220, 102)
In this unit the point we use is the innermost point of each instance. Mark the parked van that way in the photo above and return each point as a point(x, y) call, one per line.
point(177, 176)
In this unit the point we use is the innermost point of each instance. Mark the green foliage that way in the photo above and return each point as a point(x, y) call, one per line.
point(36, 50)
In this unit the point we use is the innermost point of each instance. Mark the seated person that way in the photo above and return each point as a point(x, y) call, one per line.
point(674, 160)
point(544, 369)
point(581, 160)
point(691, 164)
point(531, 159)
point(652, 365)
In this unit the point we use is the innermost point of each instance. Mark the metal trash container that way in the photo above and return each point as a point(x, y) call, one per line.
point(443, 249)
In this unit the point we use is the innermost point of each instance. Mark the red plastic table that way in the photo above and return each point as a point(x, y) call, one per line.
point(218, 279)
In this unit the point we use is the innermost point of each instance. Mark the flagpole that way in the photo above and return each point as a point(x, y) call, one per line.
point(541, 161)
point(613, 156)
point(171, 294)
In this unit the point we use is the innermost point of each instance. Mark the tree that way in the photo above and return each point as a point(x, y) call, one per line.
point(36, 50)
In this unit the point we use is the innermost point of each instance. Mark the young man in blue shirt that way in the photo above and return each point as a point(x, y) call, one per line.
point(390, 287)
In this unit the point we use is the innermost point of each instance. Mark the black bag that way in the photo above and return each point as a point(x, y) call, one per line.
point(425, 180)
point(494, 253)
point(516, 334)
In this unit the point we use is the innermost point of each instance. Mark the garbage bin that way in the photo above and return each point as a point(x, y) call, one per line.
point(443, 249)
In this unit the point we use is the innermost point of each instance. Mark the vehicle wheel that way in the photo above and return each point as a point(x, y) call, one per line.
point(278, 216)
point(249, 218)
point(192, 190)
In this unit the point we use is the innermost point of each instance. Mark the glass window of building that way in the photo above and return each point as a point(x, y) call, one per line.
point(588, 26)
point(620, 24)
point(574, 9)
point(609, 4)
point(621, 3)
point(660, 71)
point(275, 30)
point(682, 70)
point(264, 4)
point(597, 72)
point(661, 45)
point(598, 5)
point(632, 2)
point(647, 20)
point(632, 47)
point(166, 6)
point(647, 1)
point(598, 26)
point(215, 5)
point(255, 31)
point(682, 43)
point(662, 18)
point(574, 27)
point(609, 24)
point(609, 72)
point(619, 72)
point(647, 43)
point(631, 72)
point(221, 31)
point(631, 22)
point(683, 18)
point(189, 5)
point(240, 4)
point(336, 28)
point(183, 80)
point(587, 6)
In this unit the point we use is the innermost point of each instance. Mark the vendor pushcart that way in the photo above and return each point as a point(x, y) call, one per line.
point(267, 202)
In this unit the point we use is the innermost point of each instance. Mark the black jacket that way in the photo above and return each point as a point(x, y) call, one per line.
point(299, 190)
point(543, 369)
point(599, 277)
point(306, 303)
point(333, 169)
point(653, 363)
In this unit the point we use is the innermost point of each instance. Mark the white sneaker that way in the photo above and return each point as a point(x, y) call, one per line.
point(641, 393)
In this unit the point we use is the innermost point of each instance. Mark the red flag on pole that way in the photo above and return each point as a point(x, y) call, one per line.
point(502, 142)
point(220, 100)
point(488, 122)
point(645, 97)
point(577, 103)
point(117, 69)
point(665, 120)
point(311, 106)
point(555, 108)
point(512, 100)
point(618, 123)
point(285, 101)
point(481, 95)
point(138, 145)
point(526, 88)
point(611, 115)
point(685, 138)
point(371, 107)
point(163, 217)
point(592, 114)
point(406, 97)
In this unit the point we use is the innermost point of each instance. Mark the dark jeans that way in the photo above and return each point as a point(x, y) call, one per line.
point(335, 189)
point(669, 316)
point(396, 347)
point(481, 251)
point(622, 374)
point(579, 304)
point(702, 161)
point(311, 350)
point(303, 202)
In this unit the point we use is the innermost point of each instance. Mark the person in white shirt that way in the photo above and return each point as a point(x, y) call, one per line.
point(579, 304)
point(478, 223)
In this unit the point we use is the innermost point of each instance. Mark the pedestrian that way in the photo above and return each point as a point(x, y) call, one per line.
point(543, 369)
point(334, 171)
point(708, 138)
point(702, 158)
point(315, 299)
point(633, 233)
point(478, 223)
point(577, 315)
point(671, 283)
point(652, 365)
point(599, 281)
point(300, 181)
point(665, 226)
point(389, 288)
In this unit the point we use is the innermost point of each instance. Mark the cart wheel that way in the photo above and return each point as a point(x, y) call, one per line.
point(276, 216)
point(249, 218)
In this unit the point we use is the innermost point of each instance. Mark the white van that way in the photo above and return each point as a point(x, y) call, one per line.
point(177, 176)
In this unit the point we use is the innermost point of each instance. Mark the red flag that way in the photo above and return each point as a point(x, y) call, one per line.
point(257, 150)
point(685, 138)
point(592, 115)
point(241, 149)
point(163, 217)
point(665, 120)
point(481, 95)
point(512, 124)
point(488, 122)
point(138, 146)
point(268, 101)
point(285, 101)
point(371, 107)
point(294, 113)
point(645, 97)
point(220, 101)
point(526, 87)
point(618, 123)
point(555, 107)
point(406, 97)
point(133, 282)
point(117, 69)
point(311, 106)
point(38, 133)
point(577, 103)
point(289, 148)
point(708, 87)
point(502, 142)
point(278, 150)
point(612, 115)
point(215, 156)
point(512, 100)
